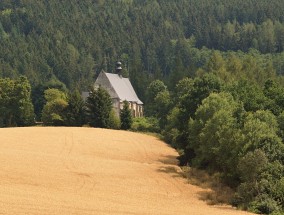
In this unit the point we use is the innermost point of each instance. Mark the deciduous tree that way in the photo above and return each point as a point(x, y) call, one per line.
point(53, 110)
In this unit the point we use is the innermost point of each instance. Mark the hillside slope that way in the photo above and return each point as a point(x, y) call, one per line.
point(69, 40)
point(93, 171)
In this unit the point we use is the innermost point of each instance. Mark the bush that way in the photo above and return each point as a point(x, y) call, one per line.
point(114, 121)
point(264, 204)
point(278, 213)
point(279, 190)
point(145, 124)
point(171, 136)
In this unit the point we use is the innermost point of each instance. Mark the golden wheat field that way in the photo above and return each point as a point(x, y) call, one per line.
point(93, 171)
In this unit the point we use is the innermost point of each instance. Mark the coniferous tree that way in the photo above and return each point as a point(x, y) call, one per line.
point(75, 110)
point(98, 108)
point(125, 116)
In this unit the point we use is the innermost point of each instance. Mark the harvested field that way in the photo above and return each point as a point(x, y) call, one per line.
point(48, 171)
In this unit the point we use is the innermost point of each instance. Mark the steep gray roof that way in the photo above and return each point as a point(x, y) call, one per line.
point(123, 88)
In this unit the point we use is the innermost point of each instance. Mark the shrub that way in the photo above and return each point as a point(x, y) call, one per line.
point(171, 136)
point(145, 124)
point(114, 121)
point(264, 204)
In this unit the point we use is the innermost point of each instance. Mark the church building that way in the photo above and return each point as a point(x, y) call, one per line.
point(120, 89)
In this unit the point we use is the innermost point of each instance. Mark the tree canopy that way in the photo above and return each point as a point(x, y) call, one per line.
point(16, 108)
point(71, 41)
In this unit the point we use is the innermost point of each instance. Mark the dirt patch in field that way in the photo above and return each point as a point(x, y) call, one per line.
point(48, 171)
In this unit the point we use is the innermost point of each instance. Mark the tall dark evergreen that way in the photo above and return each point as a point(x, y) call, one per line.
point(75, 115)
point(98, 108)
point(125, 116)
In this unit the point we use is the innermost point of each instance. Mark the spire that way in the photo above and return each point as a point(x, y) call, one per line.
point(118, 68)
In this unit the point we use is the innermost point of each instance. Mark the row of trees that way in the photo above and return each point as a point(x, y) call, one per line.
point(229, 66)
point(58, 107)
point(231, 127)
point(97, 111)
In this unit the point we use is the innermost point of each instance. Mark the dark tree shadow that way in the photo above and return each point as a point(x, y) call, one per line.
point(215, 192)
point(169, 160)
point(171, 166)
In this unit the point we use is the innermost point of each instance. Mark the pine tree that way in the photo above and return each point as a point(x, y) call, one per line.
point(75, 109)
point(98, 108)
point(125, 116)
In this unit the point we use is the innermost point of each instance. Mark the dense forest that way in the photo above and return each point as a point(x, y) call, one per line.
point(71, 41)
point(209, 72)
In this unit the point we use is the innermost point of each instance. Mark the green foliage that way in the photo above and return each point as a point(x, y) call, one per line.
point(53, 110)
point(214, 134)
point(114, 120)
point(98, 108)
point(171, 133)
point(280, 121)
point(125, 116)
point(183, 88)
point(189, 102)
point(153, 90)
point(16, 108)
point(145, 124)
point(260, 190)
point(264, 205)
point(279, 190)
point(201, 88)
point(158, 101)
point(231, 128)
point(75, 115)
point(251, 165)
point(170, 48)
point(275, 92)
point(25, 113)
point(217, 65)
point(261, 165)
point(250, 94)
point(259, 134)
point(38, 94)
